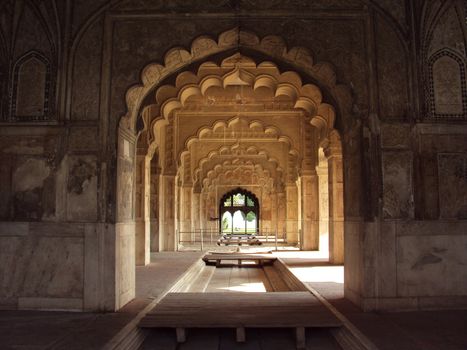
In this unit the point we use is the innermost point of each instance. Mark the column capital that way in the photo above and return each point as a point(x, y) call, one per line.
point(332, 146)
point(308, 172)
point(307, 164)
point(196, 188)
point(331, 151)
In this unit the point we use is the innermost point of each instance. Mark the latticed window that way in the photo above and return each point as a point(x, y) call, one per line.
point(239, 212)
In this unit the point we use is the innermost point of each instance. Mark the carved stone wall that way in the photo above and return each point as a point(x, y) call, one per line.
point(445, 55)
point(71, 69)
point(397, 184)
point(126, 188)
point(34, 57)
point(87, 75)
point(448, 88)
point(393, 72)
point(452, 170)
point(28, 177)
point(442, 172)
point(31, 88)
point(82, 188)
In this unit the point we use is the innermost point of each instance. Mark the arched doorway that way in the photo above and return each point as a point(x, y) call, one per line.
point(235, 122)
point(239, 212)
point(234, 141)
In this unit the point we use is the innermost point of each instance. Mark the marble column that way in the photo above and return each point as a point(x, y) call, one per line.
point(154, 208)
point(292, 226)
point(336, 204)
point(310, 210)
point(274, 213)
point(167, 239)
point(142, 227)
point(323, 175)
point(202, 211)
point(195, 210)
point(281, 214)
point(185, 212)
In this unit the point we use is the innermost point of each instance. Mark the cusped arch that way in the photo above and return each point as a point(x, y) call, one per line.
point(203, 47)
point(223, 128)
point(227, 130)
point(230, 157)
point(241, 166)
point(305, 97)
point(240, 176)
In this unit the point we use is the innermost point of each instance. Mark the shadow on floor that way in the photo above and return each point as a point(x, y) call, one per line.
point(224, 339)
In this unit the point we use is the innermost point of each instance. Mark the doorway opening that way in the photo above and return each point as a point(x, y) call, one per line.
point(239, 213)
point(230, 122)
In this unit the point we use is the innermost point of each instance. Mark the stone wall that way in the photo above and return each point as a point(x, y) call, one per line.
point(64, 244)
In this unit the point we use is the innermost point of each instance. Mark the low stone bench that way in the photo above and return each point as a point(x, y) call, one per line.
point(238, 240)
point(258, 259)
point(297, 310)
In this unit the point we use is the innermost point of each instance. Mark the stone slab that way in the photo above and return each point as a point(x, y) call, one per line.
point(50, 303)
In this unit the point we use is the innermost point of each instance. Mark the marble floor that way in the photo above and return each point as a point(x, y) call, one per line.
point(74, 330)
point(428, 330)
point(416, 330)
point(224, 339)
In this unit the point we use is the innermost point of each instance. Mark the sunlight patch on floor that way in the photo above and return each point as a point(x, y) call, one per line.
point(304, 255)
point(247, 287)
point(320, 273)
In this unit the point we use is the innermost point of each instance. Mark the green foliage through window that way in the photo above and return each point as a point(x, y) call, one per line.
point(239, 213)
point(238, 200)
point(250, 216)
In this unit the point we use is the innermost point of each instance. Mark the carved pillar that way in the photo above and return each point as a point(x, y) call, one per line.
point(274, 213)
point(142, 226)
point(310, 210)
point(323, 175)
point(336, 203)
point(167, 239)
point(212, 211)
point(154, 207)
point(292, 226)
point(185, 212)
point(196, 210)
point(281, 214)
point(203, 211)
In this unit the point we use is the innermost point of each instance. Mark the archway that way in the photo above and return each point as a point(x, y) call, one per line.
point(270, 108)
point(239, 212)
point(274, 110)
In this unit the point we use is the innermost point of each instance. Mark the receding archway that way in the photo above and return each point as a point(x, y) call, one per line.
point(194, 153)
point(186, 202)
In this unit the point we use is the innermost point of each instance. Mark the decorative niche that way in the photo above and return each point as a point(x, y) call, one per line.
point(447, 90)
point(31, 88)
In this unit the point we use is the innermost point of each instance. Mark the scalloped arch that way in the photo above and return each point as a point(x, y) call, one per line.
point(237, 123)
point(257, 172)
point(203, 47)
point(306, 97)
point(248, 154)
